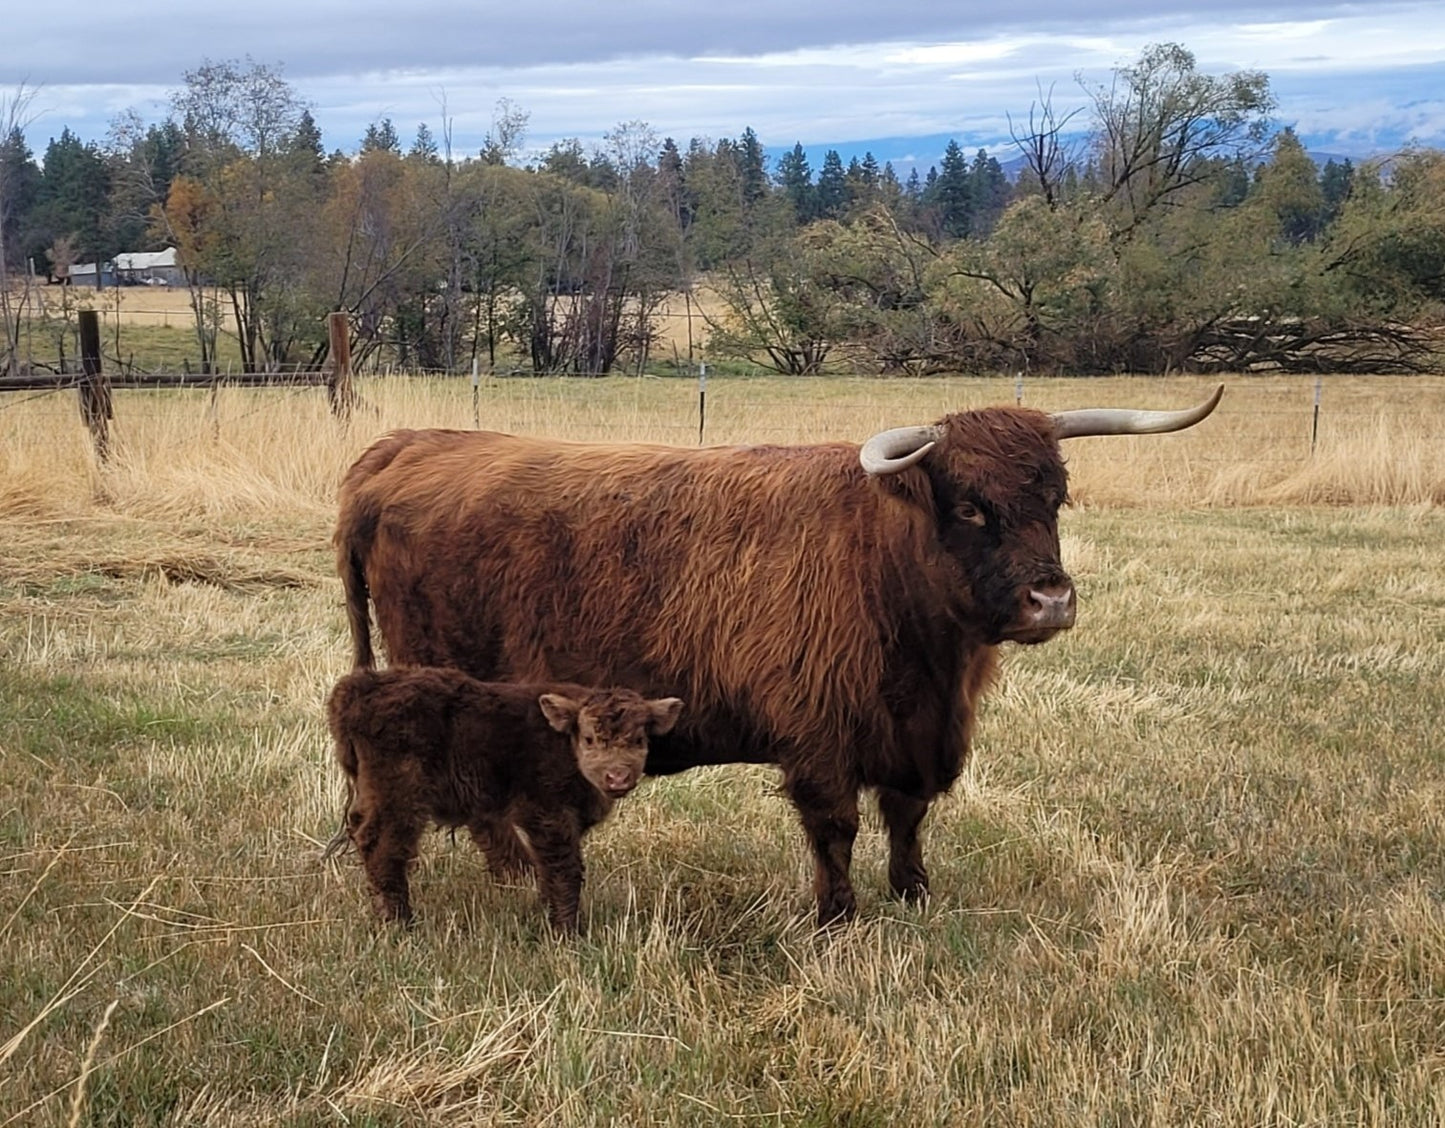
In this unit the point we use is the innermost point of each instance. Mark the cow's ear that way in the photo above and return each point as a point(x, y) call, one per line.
point(561, 712)
point(664, 712)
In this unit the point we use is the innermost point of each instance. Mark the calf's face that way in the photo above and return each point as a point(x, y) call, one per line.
point(609, 730)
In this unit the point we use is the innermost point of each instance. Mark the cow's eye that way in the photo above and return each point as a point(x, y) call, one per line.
point(967, 511)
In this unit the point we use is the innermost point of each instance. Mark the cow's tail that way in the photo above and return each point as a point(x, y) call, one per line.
point(351, 565)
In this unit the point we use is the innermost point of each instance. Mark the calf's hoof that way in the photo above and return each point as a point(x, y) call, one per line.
point(394, 911)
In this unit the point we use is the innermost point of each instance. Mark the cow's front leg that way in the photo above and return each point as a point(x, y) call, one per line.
point(902, 815)
point(830, 819)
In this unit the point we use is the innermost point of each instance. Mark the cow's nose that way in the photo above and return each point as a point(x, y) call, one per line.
point(1052, 606)
point(619, 782)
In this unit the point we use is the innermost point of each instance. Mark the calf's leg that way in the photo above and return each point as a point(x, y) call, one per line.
point(387, 845)
point(555, 844)
point(505, 854)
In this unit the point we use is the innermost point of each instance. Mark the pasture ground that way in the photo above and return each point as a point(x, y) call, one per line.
point(153, 327)
point(1194, 876)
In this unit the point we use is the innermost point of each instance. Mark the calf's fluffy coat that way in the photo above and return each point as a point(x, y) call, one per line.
point(423, 745)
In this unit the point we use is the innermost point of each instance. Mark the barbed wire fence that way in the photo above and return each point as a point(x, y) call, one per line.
point(1282, 419)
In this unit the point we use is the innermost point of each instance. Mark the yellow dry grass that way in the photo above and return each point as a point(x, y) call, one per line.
point(272, 451)
point(677, 322)
point(166, 306)
point(1195, 875)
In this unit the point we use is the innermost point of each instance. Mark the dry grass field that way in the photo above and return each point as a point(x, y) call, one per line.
point(154, 327)
point(166, 306)
point(1194, 876)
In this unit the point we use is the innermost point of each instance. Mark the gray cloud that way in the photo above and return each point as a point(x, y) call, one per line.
point(823, 74)
point(55, 43)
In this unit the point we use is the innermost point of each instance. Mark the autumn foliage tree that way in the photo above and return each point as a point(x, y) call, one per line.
point(1166, 226)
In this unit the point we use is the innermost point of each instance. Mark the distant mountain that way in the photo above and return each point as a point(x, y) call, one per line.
point(1017, 166)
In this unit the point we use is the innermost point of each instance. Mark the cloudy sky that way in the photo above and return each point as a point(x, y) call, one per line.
point(897, 77)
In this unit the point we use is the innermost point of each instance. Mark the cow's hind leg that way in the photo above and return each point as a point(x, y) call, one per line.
point(387, 846)
point(830, 819)
point(902, 815)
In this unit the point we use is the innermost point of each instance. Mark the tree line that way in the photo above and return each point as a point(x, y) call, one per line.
point(1167, 226)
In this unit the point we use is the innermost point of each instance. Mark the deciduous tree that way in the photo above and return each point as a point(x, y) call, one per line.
point(1158, 123)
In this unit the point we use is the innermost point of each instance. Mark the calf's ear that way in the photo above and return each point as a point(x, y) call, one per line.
point(561, 712)
point(664, 712)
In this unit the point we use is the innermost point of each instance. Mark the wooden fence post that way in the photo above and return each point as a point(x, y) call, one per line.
point(476, 396)
point(95, 400)
point(701, 400)
point(339, 391)
point(1315, 424)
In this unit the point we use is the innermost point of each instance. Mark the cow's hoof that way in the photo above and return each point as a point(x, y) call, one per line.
point(837, 911)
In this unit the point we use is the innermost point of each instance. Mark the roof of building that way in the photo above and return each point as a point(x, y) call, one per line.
point(146, 260)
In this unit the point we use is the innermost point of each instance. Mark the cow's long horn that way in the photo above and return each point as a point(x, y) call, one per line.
point(1125, 421)
point(888, 452)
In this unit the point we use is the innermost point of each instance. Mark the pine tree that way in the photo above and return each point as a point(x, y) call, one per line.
point(73, 200)
point(424, 148)
point(988, 191)
point(672, 180)
point(305, 154)
point(380, 137)
point(164, 152)
point(795, 178)
point(832, 189)
point(871, 172)
point(862, 177)
point(752, 167)
point(890, 190)
point(567, 159)
point(1291, 185)
point(1335, 183)
point(952, 196)
point(19, 193)
point(1233, 183)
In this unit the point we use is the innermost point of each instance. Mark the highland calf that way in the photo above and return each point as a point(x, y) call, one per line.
point(541, 763)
